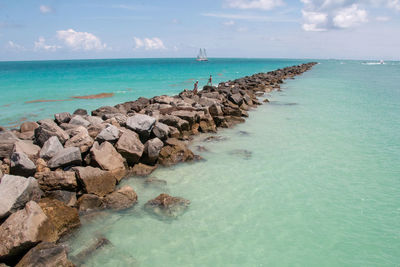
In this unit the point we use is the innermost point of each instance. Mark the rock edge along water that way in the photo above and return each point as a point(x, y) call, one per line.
point(78, 159)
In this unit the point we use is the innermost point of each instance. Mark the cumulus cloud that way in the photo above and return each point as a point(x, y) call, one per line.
point(15, 46)
point(253, 4)
point(322, 15)
point(80, 40)
point(154, 43)
point(45, 9)
point(394, 4)
point(41, 45)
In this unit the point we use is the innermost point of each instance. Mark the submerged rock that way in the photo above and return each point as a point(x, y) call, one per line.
point(167, 206)
point(174, 152)
point(243, 153)
point(86, 253)
point(141, 169)
point(123, 198)
point(215, 138)
point(155, 181)
point(89, 202)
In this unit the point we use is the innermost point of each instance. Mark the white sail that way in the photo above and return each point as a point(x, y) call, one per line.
point(202, 56)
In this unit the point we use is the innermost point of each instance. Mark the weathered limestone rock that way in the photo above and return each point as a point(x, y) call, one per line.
point(23, 230)
point(151, 150)
point(94, 120)
point(215, 110)
point(161, 130)
point(41, 165)
point(110, 134)
point(50, 148)
point(175, 121)
point(107, 158)
point(63, 117)
point(174, 132)
point(130, 147)
point(141, 169)
point(28, 126)
point(28, 148)
point(57, 180)
point(174, 152)
point(82, 141)
point(15, 191)
point(63, 218)
point(189, 116)
point(95, 129)
point(47, 130)
point(123, 198)
point(79, 120)
point(96, 181)
point(7, 141)
point(66, 157)
point(142, 124)
point(46, 254)
point(89, 202)
point(80, 111)
point(22, 165)
point(76, 130)
point(167, 206)
point(236, 99)
point(67, 197)
point(105, 110)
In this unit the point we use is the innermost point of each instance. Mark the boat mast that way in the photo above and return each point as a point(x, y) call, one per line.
point(204, 52)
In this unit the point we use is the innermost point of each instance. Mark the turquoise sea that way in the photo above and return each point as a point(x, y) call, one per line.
point(310, 179)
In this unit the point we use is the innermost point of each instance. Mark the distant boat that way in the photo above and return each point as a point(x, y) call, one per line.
point(202, 56)
point(381, 62)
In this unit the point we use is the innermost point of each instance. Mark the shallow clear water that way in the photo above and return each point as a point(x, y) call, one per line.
point(128, 79)
point(317, 185)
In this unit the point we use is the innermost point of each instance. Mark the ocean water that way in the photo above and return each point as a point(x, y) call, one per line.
point(310, 179)
point(127, 79)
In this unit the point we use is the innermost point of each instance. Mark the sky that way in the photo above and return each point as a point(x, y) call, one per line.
point(72, 29)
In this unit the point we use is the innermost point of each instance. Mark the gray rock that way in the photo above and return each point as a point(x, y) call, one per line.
point(142, 124)
point(161, 130)
point(15, 191)
point(130, 147)
point(78, 120)
point(28, 148)
point(47, 130)
point(105, 110)
point(236, 99)
point(80, 111)
point(21, 165)
point(82, 140)
point(50, 148)
point(63, 117)
point(66, 157)
point(215, 110)
point(7, 141)
point(110, 134)
point(67, 197)
point(57, 180)
point(152, 150)
point(94, 120)
point(76, 130)
point(174, 121)
point(189, 116)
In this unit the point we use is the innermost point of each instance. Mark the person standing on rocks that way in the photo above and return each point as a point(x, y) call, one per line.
point(210, 81)
point(196, 84)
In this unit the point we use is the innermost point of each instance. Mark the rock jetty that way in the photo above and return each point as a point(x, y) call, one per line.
point(53, 170)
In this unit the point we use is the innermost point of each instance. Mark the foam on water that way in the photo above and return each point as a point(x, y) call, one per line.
point(311, 184)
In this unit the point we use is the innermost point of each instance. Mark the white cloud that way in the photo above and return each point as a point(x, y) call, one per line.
point(314, 21)
point(229, 23)
point(41, 45)
point(247, 17)
point(45, 9)
point(383, 19)
point(394, 4)
point(154, 43)
point(253, 4)
point(349, 17)
point(15, 46)
point(80, 40)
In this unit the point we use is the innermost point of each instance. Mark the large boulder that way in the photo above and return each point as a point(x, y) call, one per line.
point(28, 148)
point(174, 121)
point(63, 117)
point(46, 254)
point(15, 191)
point(28, 126)
point(105, 110)
point(130, 147)
point(79, 120)
point(96, 181)
point(7, 141)
point(173, 152)
point(151, 150)
point(66, 157)
point(23, 230)
point(167, 206)
point(161, 130)
point(82, 141)
point(80, 111)
point(123, 198)
point(89, 202)
point(189, 116)
point(142, 124)
point(63, 218)
point(107, 158)
point(110, 134)
point(22, 165)
point(67, 197)
point(236, 98)
point(50, 148)
point(47, 130)
point(57, 180)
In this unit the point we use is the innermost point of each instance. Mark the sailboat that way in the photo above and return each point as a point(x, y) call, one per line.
point(202, 56)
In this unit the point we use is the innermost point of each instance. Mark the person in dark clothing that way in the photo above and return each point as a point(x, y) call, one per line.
point(196, 84)
point(210, 81)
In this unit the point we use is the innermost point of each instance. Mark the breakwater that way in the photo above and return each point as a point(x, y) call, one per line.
point(133, 137)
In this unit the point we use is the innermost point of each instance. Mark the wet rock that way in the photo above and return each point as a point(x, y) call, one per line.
point(23, 230)
point(28, 148)
point(142, 124)
point(67, 197)
point(155, 181)
point(266, 100)
point(22, 165)
point(243, 153)
point(50, 148)
point(15, 191)
point(82, 141)
point(28, 126)
point(57, 180)
point(207, 124)
point(167, 206)
point(100, 112)
point(202, 149)
point(123, 198)
point(89, 202)
point(151, 150)
point(7, 141)
point(161, 130)
point(130, 147)
point(80, 111)
point(86, 253)
point(243, 133)
point(63, 218)
point(79, 120)
point(47, 130)
point(96, 181)
point(46, 254)
point(141, 169)
point(174, 152)
point(215, 138)
point(110, 134)
point(107, 158)
point(63, 117)
point(66, 157)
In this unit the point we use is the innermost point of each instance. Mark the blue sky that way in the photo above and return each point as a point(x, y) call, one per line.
point(61, 29)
